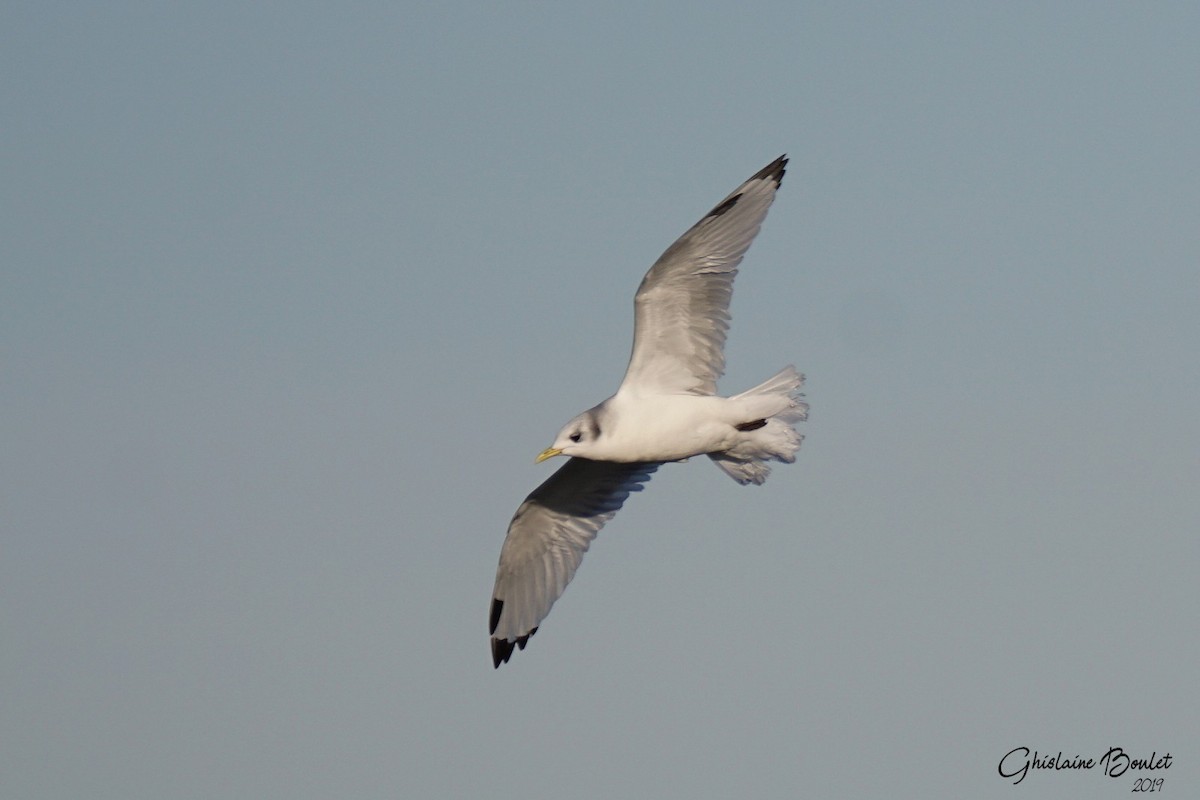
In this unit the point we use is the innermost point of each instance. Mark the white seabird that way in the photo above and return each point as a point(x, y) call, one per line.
point(666, 409)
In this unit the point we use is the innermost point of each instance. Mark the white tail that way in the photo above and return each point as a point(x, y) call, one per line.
point(777, 402)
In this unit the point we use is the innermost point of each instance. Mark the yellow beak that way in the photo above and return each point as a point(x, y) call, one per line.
point(549, 452)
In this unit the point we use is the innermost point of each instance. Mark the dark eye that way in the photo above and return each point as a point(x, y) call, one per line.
point(574, 437)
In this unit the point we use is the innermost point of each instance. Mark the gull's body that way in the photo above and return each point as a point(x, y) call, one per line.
point(666, 427)
point(666, 409)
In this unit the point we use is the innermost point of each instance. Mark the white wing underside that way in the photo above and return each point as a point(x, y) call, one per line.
point(546, 540)
point(681, 310)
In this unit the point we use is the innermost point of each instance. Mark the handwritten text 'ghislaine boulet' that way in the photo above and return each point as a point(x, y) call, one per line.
point(1115, 762)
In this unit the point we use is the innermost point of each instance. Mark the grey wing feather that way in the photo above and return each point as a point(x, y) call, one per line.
point(546, 541)
point(682, 306)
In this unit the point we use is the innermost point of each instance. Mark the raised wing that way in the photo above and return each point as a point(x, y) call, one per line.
point(682, 306)
point(546, 540)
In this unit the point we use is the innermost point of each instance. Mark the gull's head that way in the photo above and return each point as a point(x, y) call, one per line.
point(577, 438)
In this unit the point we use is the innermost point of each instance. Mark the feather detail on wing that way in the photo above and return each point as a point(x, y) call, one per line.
point(546, 541)
point(682, 306)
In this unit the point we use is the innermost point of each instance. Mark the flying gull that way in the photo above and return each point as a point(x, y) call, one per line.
point(666, 409)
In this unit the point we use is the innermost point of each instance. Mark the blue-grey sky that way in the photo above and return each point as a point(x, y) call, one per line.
point(292, 294)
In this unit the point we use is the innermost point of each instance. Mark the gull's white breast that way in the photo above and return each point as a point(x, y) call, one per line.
point(664, 427)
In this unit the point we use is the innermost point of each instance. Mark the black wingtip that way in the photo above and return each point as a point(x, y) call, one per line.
point(725, 206)
point(773, 171)
point(497, 607)
point(502, 649)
